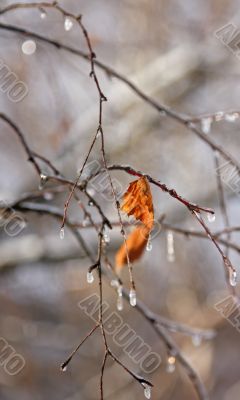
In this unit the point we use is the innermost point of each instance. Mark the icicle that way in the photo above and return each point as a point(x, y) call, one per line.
point(196, 340)
point(170, 247)
point(232, 277)
point(211, 217)
point(147, 391)
point(106, 236)
point(61, 233)
point(132, 297)
point(149, 244)
point(43, 180)
point(171, 364)
point(206, 124)
point(120, 303)
point(90, 277)
point(29, 47)
point(68, 23)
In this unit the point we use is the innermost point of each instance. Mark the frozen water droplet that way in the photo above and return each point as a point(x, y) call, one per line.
point(91, 191)
point(232, 277)
point(43, 180)
point(132, 297)
point(120, 303)
point(170, 247)
point(206, 124)
point(64, 368)
point(171, 364)
point(90, 203)
point(231, 117)
point(149, 244)
point(196, 340)
point(61, 233)
point(114, 283)
point(147, 391)
point(106, 236)
point(43, 13)
point(98, 134)
point(29, 47)
point(90, 277)
point(211, 217)
point(68, 23)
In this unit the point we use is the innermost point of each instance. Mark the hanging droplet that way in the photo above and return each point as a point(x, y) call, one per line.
point(170, 247)
point(43, 13)
point(120, 303)
point(231, 117)
point(171, 364)
point(132, 297)
point(61, 233)
point(206, 124)
point(106, 236)
point(90, 203)
point(68, 23)
point(90, 277)
point(149, 244)
point(211, 217)
point(64, 368)
point(29, 47)
point(147, 391)
point(196, 340)
point(232, 277)
point(114, 283)
point(43, 180)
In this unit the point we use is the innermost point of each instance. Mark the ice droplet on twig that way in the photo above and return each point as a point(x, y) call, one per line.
point(106, 236)
point(132, 297)
point(147, 391)
point(232, 277)
point(206, 124)
point(170, 247)
point(171, 364)
point(64, 368)
point(68, 23)
point(149, 244)
point(43, 180)
point(120, 303)
point(61, 234)
point(90, 277)
point(211, 217)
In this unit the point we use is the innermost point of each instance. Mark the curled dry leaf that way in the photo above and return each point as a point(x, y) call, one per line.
point(137, 201)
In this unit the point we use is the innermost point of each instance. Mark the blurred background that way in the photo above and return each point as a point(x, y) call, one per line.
point(170, 50)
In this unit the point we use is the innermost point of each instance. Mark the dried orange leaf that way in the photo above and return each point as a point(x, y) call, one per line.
point(137, 201)
point(136, 243)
